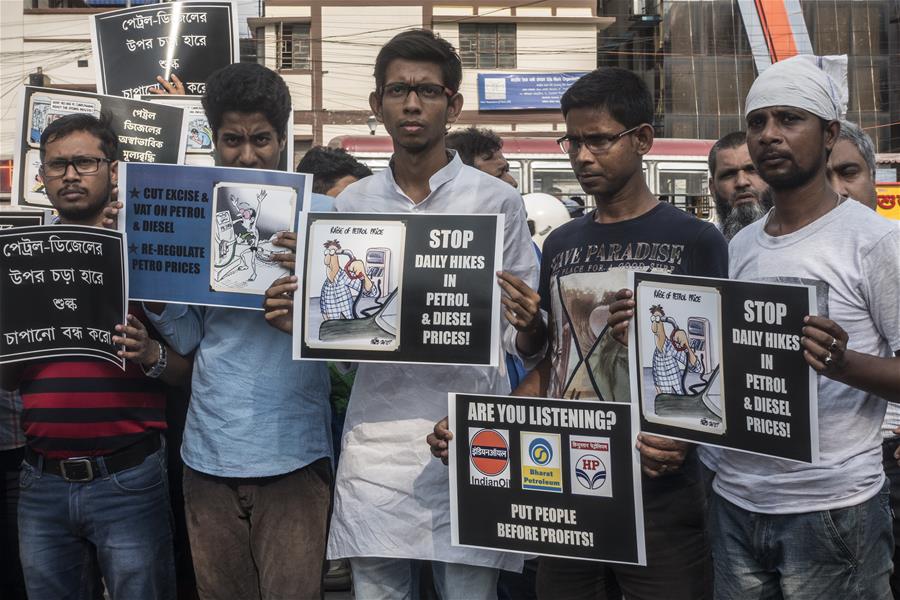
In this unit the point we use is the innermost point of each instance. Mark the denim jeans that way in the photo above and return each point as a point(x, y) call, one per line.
point(394, 579)
point(12, 583)
point(843, 553)
point(892, 470)
point(123, 518)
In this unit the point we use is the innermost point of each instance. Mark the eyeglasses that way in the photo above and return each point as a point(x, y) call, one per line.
point(331, 251)
point(84, 165)
point(425, 91)
point(596, 144)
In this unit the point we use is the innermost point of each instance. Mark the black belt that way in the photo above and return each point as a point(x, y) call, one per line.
point(87, 468)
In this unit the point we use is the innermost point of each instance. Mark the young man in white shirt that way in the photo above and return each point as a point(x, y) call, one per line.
point(391, 503)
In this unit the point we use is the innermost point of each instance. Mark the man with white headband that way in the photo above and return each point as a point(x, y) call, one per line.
point(784, 529)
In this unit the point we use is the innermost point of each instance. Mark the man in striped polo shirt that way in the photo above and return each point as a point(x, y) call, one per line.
point(94, 487)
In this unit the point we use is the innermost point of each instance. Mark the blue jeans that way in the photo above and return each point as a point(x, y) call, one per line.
point(395, 579)
point(843, 553)
point(124, 518)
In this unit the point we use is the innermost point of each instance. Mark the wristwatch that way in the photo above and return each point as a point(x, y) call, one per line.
point(160, 366)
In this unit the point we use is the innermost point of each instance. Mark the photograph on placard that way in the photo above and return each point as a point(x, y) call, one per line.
point(246, 221)
point(580, 303)
point(354, 272)
point(679, 347)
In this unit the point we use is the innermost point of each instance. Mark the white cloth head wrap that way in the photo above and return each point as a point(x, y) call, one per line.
point(799, 83)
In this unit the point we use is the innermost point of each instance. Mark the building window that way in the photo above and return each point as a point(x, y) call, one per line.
point(293, 46)
point(487, 45)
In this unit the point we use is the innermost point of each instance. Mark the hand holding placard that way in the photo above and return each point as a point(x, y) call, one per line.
point(439, 439)
point(136, 343)
point(174, 87)
point(620, 313)
point(279, 303)
point(659, 455)
point(824, 343)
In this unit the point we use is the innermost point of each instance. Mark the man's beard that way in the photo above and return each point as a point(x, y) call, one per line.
point(790, 180)
point(740, 216)
point(764, 201)
point(88, 212)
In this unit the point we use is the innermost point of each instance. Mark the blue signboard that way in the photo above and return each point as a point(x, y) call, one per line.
point(207, 235)
point(523, 91)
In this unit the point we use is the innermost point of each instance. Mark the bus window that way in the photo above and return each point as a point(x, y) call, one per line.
point(515, 169)
point(685, 186)
point(555, 178)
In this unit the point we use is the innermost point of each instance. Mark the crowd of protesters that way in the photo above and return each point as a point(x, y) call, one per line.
point(285, 462)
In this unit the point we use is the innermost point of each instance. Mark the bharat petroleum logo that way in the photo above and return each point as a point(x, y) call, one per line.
point(489, 452)
point(540, 451)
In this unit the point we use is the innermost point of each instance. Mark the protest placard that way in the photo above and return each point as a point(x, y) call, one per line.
point(146, 133)
point(62, 292)
point(190, 39)
point(551, 477)
point(719, 362)
point(204, 235)
point(20, 216)
point(416, 288)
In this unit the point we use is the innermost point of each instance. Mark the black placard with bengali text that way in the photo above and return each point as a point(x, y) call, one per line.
point(62, 292)
point(719, 362)
point(550, 477)
point(418, 288)
point(10, 218)
point(190, 39)
point(146, 132)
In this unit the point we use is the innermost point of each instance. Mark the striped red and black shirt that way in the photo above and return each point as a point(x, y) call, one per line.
point(88, 407)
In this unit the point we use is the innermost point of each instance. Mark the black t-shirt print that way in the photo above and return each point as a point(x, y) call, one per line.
point(585, 263)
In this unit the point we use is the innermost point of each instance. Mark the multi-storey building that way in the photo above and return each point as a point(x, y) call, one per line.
point(325, 50)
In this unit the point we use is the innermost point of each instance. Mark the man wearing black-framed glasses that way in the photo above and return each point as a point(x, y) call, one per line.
point(599, 143)
point(391, 504)
point(608, 114)
point(114, 469)
point(78, 181)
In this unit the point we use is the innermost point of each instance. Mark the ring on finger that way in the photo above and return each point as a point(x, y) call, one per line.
point(833, 345)
point(827, 360)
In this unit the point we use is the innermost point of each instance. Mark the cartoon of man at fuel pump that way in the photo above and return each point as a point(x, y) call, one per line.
point(344, 284)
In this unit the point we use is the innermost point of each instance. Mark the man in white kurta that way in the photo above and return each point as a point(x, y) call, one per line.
point(391, 498)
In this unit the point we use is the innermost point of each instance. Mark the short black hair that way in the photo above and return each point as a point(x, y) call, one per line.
point(621, 93)
point(728, 141)
point(420, 45)
point(328, 165)
point(247, 88)
point(99, 128)
point(473, 142)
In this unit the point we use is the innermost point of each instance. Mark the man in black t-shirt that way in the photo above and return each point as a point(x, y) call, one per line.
point(608, 114)
point(585, 263)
